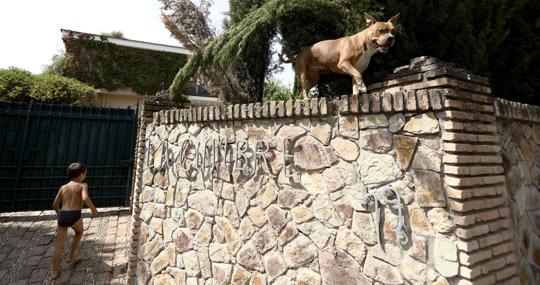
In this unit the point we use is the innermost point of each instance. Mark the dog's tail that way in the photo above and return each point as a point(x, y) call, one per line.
point(284, 60)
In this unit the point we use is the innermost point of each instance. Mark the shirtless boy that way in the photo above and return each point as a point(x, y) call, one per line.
point(71, 196)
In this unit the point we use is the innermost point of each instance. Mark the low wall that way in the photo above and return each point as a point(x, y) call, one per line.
point(403, 185)
point(520, 128)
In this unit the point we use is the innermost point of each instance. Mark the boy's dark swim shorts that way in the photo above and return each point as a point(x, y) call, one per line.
point(68, 218)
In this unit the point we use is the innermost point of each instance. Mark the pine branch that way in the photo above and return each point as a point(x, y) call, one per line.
point(225, 49)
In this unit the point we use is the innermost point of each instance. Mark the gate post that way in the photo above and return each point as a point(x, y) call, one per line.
point(147, 113)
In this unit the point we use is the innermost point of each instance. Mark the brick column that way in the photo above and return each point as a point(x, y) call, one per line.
point(475, 186)
point(148, 110)
point(472, 166)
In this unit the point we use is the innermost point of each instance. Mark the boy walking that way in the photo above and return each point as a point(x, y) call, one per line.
point(71, 196)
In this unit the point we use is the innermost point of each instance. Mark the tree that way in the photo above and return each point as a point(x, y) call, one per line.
point(189, 24)
point(514, 64)
point(253, 64)
point(495, 38)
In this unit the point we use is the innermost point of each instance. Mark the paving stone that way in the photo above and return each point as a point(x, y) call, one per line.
point(36, 268)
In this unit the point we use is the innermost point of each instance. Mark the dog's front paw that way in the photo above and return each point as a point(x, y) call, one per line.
point(363, 88)
point(359, 88)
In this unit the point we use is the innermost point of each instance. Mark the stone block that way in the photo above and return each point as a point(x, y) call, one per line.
point(429, 189)
point(300, 251)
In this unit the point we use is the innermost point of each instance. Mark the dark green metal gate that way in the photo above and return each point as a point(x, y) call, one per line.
point(38, 141)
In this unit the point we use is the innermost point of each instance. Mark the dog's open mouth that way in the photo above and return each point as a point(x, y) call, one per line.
point(382, 48)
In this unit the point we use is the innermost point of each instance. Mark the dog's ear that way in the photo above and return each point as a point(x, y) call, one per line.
point(394, 19)
point(369, 19)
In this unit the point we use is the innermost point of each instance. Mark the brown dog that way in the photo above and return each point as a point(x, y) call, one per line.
point(347, 55)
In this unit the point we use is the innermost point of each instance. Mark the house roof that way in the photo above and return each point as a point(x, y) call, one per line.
point(126, 42)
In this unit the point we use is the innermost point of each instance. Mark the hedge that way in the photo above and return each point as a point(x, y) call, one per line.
point(20, 85)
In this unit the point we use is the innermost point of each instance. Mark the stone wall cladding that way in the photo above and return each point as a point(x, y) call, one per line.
point(430, 131)
point(516, 111)
point(311, 228)
point(147, 111)
point(521, 153)
point(371, 103)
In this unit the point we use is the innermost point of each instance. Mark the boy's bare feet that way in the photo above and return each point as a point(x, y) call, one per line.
point(55, 274)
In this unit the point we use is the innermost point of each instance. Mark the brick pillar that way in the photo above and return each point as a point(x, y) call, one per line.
point(148, 110)
point(475, 186)
point(473, 170)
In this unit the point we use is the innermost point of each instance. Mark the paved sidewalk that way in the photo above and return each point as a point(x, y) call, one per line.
point(27, 244)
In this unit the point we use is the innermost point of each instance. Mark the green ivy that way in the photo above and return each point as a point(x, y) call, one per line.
point(106, 65)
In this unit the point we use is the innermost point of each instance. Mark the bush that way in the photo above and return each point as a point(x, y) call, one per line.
point(20, 85)
point(275, 91)
point(15, 84)
point(59, 89)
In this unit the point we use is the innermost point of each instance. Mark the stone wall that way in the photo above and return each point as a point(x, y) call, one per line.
point(521, 153)
point(403, 185)
point(149, 107)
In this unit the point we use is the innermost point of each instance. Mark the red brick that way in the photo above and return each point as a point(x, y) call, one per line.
point(473, 170)
point(423, 99)
point(410, 100)
point(504, 223)
point(472, 258)
point(463, 147)
point(472, 232)
point(506, 273)
point(502, 248)
point(387, 102)
point(488, 138)
point(459, 137)
point(469, 159)
point(469, 219)
point(469, 106)
point(493, 265)
point(481, 98)
point(435, 99)
point(467, 245)
point(453, 126)
point(470, 272)
point(511, 258)
point(487, 280)
point(474, 181)
point(375, 102)
point(490, 240)
point(364, 103)
point(355, 106)
point(472, 127)
point(468, 116)
point(398, 101)
point(475, 192)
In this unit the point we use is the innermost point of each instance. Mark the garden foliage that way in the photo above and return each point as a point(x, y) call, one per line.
point(112, 67)
point(494, 38)
point(20, 85)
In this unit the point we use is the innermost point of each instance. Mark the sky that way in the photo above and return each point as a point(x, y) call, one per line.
point(30, 29)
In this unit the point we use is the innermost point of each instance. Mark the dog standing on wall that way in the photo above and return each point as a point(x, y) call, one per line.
point(347, 55)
